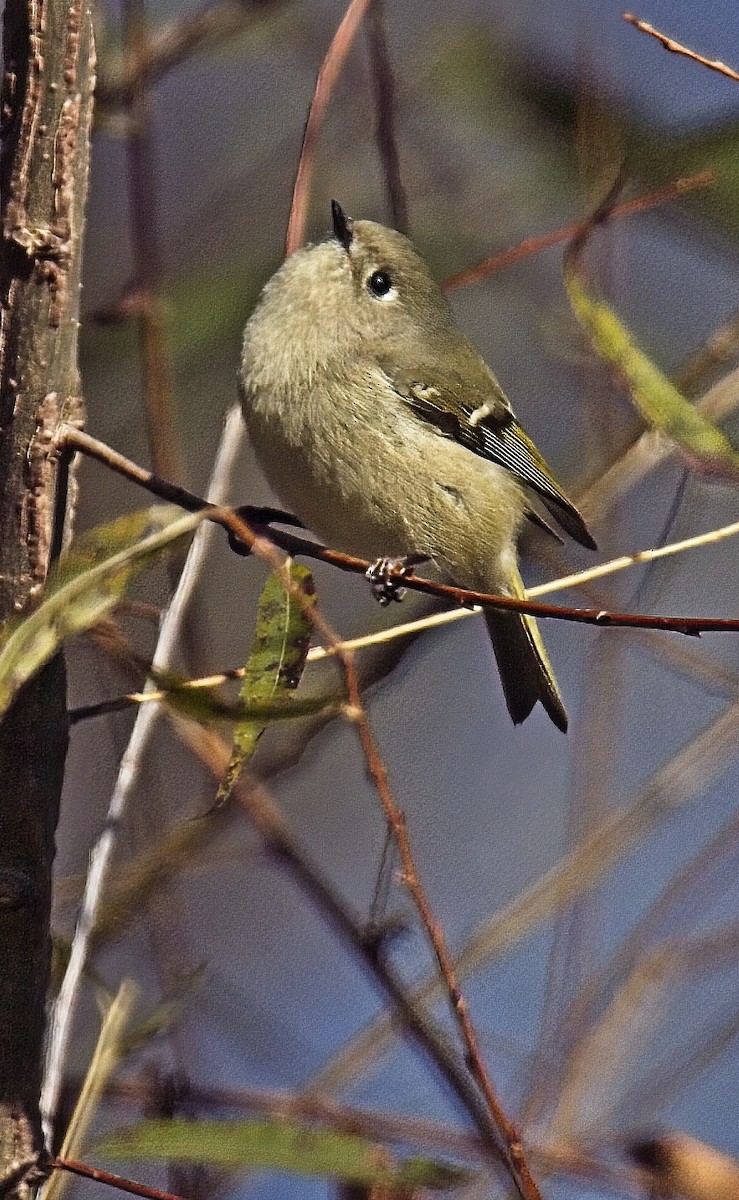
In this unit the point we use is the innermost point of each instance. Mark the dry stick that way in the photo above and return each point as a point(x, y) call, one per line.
point(266, 817)
point(159, 406)
point(75, 439)
point(434, 621)
point(649, 450)
point(175, 41)
point(525, 249)
point(383, 80)
point(512, 1153)
point(63, 1012)
point(515, 1157)
point(668, 790)
point(677, 48)
point(115, 1181)
point(325, 83)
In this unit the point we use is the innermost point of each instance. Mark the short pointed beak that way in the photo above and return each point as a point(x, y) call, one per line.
point(343, 225)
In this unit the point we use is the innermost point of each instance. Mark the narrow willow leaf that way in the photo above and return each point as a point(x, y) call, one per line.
point(277, 1145)
point(87, 583)
point(657, 400)
point(275, 664)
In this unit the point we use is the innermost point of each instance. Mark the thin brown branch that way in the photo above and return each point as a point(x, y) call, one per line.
point(719, 348)
point(158, 385)
point(292, 544)
point(178, 40)
point(677, 48)
point(507, 258)
point(325, 83)
point(672, 787)
point(383, 80)
point(263, 814)
point(114, 1181)
point(515, 1157)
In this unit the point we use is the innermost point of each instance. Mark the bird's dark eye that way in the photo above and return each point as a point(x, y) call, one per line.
point(379, 283)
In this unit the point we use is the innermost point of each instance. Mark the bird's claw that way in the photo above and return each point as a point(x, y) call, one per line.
point(385, 579)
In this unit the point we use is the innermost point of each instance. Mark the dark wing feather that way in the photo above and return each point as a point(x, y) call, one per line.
point(470, 407)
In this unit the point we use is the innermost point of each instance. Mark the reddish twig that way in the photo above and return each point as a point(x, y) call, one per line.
point(384, 89)
point(158, 385)
point(511, 1151)
point(514, 1156)
point(114, 1181)
point(177, 40)
point(325, 84)
point(75, 439)
point(534, 245)
point(677, 48)
point(268, 821)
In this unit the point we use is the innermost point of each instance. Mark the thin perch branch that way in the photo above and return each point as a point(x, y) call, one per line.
point(507, 258)
point(677, 48)
point(294, 545)
point(409, 628)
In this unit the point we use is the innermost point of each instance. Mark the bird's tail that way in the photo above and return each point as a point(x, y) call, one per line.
point(525, 670)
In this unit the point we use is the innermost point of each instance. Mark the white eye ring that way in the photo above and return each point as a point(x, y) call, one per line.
point(380, 285)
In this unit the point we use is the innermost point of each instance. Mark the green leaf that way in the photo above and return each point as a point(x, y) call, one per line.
point(660, 403)
point(279, 1146)
point(275, 664)
point(84, 586)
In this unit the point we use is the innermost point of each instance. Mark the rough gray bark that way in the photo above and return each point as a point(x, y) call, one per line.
point(46, 112)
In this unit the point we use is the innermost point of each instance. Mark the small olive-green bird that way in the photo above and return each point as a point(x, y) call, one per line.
point(378, 424)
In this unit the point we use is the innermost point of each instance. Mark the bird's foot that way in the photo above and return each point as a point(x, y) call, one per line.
point(386, 577)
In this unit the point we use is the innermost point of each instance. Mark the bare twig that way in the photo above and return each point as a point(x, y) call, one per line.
point(177, 40)
point(158, 388)
point(264, 815)
point(325, 83)
point(294, 545)
point(514, 1155)
point(677, 48)
point(565, 233)
point(60, 1028)
point(114, 1181)
point(511, 1150)
point(383, 80)
point(705, 757)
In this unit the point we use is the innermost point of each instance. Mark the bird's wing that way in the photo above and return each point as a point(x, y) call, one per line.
point(470, 407)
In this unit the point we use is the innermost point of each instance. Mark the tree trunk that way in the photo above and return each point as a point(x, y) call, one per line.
point(46, 114)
